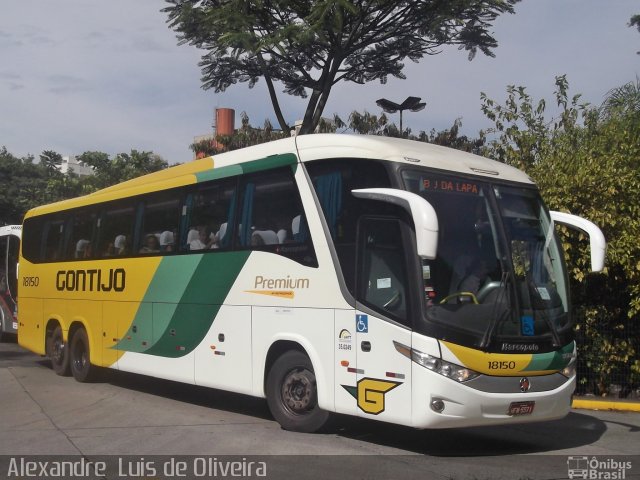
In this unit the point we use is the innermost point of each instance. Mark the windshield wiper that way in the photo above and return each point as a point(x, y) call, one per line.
point(489, 333)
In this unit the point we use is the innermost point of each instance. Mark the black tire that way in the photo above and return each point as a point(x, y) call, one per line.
point(80, 357)
point(292, 394)
point(58, 352)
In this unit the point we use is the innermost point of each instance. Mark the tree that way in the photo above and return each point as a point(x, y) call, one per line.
point(245, 136)
point(204, 148)
point(25, 184)
point(310, 46)
point(122, 167)
point(634, 21)
point(451, 138)
point(51, 160)
point(368, 124)
point(623, 100)
point(59, 186)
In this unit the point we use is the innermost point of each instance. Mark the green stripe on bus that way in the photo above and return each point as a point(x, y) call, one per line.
point(217, 173)
point(267, 163)
point(181, 303)
point(551, 360)
point(202, 298)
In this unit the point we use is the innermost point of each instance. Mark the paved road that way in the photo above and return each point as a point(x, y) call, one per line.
point(41, 413)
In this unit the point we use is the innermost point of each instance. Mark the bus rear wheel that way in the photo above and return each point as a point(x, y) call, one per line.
point(57, 352)
point(79, 357)
point(292, 394)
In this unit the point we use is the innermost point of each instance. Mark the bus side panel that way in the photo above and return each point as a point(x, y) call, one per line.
point(31, 331)
point(89, 314)
point(223, 359)
point(117, 318)
point(345, 361)
point(138, 337)
point(56, 309)
point(311, 328)
point(176, 369)
point(384, 374)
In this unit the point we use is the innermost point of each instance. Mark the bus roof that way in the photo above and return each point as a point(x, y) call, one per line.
point(307, 148)
point(314, 147)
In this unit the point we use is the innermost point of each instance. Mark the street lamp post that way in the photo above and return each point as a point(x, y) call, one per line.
point(411, 103)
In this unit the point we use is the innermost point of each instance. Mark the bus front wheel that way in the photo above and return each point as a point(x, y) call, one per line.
point(292, 394)
point(57, 352)
point(79, 357)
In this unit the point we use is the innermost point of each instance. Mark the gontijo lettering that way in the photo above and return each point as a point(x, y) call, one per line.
point(93, 280)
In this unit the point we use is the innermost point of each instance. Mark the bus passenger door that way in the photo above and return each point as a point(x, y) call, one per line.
point(7, 307)
point(12, 275)
point(383, 389)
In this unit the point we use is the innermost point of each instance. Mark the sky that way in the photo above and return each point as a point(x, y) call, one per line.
point(78, 75)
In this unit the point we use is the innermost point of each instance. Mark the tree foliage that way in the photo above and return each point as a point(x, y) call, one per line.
point(310, 46)
point(22, 186)
point(122, 167)
point(634, 21)
point(247, 135)
point(363, 123)
point(51, 160)
point(25, 184)
point(586, 161)
point(622, 101)
point(368, 124)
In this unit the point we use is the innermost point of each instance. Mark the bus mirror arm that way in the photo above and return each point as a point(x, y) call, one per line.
point(421, 211)
point(597, 241)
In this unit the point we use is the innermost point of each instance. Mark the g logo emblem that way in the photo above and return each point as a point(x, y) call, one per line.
point(370, 394)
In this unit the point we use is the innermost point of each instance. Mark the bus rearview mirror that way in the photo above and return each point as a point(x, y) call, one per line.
point(421, 211)
point(597, 241)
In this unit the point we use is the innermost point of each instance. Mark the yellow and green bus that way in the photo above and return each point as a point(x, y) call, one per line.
point(390, 279)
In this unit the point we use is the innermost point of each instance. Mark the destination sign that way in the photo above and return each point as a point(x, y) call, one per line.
point(451, 186)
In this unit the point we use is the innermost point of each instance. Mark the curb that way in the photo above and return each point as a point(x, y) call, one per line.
point(620, 406)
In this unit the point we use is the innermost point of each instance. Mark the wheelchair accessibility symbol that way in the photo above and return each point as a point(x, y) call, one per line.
point(362, 323)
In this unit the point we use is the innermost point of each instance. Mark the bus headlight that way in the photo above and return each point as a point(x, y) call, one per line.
point(442, 367)
point(570, 370)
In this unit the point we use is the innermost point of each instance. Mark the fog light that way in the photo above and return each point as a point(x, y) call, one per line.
point(437, 405)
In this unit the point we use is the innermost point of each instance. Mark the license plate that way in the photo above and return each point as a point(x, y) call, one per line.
point(521, 408)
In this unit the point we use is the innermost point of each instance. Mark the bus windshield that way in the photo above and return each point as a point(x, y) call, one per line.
point(499, 276)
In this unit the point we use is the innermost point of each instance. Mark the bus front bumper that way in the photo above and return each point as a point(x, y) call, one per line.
point(440, 402)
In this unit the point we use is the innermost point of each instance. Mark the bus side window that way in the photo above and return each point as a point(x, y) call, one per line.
point(82, 235)
point(208, 214)
point(159, 227)
point(33, 233)
point(53, 239)
point(116, 230)
point(333, 181)
point(271, 217)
